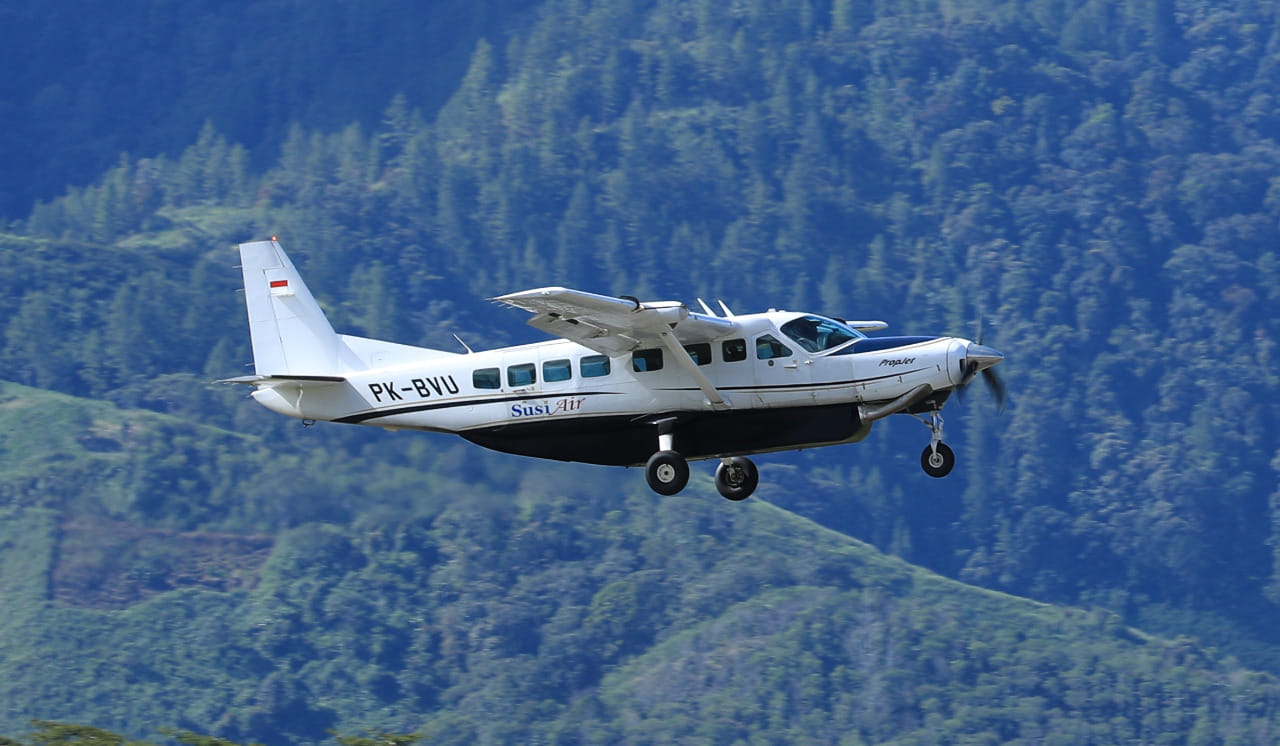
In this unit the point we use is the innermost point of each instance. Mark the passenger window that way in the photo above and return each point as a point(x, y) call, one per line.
point(525, 374)
point(734, 350)
point(595, 366)
point(768, 347)
point(486, 378)
point(646, 360)
point(556, 370)
point(701, 353)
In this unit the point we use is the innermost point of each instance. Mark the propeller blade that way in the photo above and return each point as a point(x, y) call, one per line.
point(996, 385)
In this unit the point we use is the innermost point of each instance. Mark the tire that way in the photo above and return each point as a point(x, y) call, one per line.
point(667, 472)
point(938, 464)
point(737, 478)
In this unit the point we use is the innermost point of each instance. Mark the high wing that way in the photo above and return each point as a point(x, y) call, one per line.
point(615, 326)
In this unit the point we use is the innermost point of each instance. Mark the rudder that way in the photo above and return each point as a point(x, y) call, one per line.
point(289, 331)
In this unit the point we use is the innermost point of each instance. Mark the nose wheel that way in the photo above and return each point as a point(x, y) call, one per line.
point(938, 459)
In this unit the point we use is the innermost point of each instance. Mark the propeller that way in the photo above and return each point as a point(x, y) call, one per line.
point(996, 385)
point(979, 359)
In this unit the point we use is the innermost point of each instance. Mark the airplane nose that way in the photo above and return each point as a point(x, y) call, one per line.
point(982, 357)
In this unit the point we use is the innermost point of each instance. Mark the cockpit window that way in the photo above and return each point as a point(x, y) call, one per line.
point(815, 334)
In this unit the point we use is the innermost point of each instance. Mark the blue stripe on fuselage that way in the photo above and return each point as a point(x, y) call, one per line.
point(875, 344)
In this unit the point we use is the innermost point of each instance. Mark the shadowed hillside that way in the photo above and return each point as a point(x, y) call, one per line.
point(581, 613)
point(1091, 189)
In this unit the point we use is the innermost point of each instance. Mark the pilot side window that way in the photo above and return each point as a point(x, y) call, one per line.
point(646, 360)
point(768, 347)
point(525, 374)
point(556, 370)
point(594, 366)
point(701, 353)
point(734, 350)
point(486, 378)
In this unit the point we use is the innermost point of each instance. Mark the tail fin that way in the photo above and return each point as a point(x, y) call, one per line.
point(290, 333)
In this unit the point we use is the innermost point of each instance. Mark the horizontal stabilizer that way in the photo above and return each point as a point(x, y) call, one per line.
point(280, 379)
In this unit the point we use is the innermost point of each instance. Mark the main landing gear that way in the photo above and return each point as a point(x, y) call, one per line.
point(736, 477)
point(667, 472)
point(937, 460)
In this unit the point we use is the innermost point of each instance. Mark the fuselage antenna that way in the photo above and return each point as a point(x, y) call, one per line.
point(464, 344)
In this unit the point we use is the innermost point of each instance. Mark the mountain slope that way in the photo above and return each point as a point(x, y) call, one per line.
point(1092, 191)
point(566, 612)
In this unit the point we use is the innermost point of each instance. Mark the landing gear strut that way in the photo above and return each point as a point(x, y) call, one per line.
point(937, 460)
point(736, 478)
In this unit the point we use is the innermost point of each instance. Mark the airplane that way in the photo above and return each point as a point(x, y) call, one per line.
point(627, 383)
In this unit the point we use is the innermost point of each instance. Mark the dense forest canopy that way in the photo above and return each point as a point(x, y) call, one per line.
point(1091, 186)
point(530, 614)
point(83, 82)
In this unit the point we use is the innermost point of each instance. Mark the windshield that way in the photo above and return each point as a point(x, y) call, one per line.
point(815, 333)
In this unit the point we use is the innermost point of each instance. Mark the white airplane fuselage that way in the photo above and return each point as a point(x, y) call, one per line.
point(806, 398)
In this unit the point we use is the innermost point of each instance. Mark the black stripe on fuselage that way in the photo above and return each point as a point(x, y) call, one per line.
point(628, 440)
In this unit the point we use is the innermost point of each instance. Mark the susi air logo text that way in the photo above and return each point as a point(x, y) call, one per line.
point(548, 407)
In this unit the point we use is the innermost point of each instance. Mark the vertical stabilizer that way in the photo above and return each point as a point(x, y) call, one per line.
point(290, 333)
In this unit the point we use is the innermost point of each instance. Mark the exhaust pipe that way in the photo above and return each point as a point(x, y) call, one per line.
point(871, 413)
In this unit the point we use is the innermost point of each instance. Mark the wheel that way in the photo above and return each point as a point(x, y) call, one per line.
point(667, 472)
point(937, 464)
point(736, 478)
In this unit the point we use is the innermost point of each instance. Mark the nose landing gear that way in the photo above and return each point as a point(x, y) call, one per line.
point(938, 459)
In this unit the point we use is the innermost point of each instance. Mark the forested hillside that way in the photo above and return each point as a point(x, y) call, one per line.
point(534, 610)
point(1091, 186)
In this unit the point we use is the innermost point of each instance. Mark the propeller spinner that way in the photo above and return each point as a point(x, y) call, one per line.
point(980, 358)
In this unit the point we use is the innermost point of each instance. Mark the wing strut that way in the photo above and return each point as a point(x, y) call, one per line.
point(686, 361)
